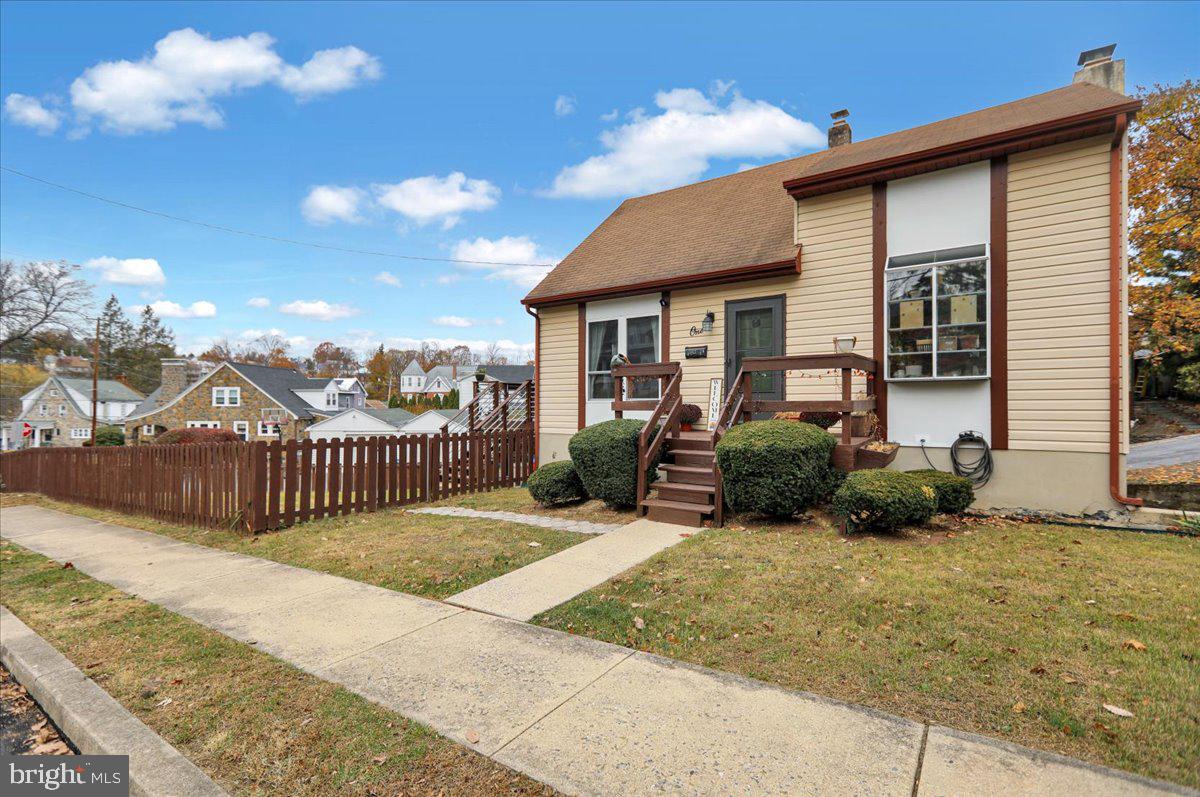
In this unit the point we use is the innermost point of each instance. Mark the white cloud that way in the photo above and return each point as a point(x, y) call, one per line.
point(388, 278)
point(431, 198)
point(564, 105)
point(611, 116)
point(330, 71)
point(166, 309)
point(517, 352)
point(298, 341)
point(128, 271)
point(32, 112)
point(187, 71)
point(460, 322)
point(326, 204)
point(676, 146)
point(318, 310)
point(448, 279)
point(719, 88)
point(258, 301)
point(509, 249)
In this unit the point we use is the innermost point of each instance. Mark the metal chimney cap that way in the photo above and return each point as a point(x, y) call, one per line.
point(1099, 54)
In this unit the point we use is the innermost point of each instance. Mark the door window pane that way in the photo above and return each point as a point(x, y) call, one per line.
point(602, 347)
point(641, 346)
point(755, 337)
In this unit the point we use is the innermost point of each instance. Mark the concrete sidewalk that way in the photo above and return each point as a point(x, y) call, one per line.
point(583, 716)
point(522, 593)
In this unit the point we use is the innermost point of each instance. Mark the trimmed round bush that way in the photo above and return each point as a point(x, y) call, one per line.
point(884, 500)
point(109, 436)
point(605, 456)
point(175, 437)
point(775, 467)
point(556, 483)
point(954, 493)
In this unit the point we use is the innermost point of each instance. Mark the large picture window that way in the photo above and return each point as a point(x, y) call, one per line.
point(937, 323)
point(640, 340)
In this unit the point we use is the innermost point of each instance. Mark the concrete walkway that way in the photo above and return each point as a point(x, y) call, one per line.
point(561, 524)
point(1170, 451)
point(520, 594)
point(583, 716)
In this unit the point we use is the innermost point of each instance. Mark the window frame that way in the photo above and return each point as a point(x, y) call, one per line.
point(147, 430)
point(85, 433)
point(622, 322)
point(268, 433)
point(232, 395)
point(202, 424)
point(932, 266)
point(242, 429)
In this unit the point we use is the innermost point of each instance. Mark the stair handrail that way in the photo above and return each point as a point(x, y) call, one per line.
point(509, 412)
point(475, 409)
point(671, 404)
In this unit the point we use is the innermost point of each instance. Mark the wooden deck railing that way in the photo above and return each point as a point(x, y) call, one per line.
point(495, 408)
point(665, 412)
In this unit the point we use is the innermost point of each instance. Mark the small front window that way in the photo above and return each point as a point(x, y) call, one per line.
point(62, 410)
point(147, 430)
point(641, 341)
point(43, 409)
point(81, 434)
point(242, 429)
point(227, 397)
point(53, 393)
point(203, 424)
point(331, 399)
point(937, 321)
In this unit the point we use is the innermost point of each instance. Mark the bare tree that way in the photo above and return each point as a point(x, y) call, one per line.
point(494, 355)
point(38, 298)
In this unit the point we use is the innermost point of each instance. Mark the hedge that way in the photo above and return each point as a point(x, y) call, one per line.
point(196, 435)
point(884, 500)
point(556, 483)
point(109, 436)
point(775, 467)
point(954, 493)
point(605, 456)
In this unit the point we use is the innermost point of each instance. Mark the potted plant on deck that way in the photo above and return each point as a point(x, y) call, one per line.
point(689, 415)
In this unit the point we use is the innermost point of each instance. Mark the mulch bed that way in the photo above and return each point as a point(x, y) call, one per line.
point(1187, 473)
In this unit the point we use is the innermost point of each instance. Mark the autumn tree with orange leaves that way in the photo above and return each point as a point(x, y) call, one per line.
point(1164, 234)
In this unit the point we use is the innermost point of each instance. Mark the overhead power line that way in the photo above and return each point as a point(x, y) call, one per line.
point(258, 235)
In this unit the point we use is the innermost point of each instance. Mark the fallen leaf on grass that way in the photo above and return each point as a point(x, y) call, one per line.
point(379, 759)
point(535, 544)
point(69, 566)
point(166, 701)
point(1133, 644)
point(1107, 731)
point(1120, 712)
point(472, 736)
point(1018, 707)
point(1038, 670)
point(1067, 679)
point(639, 623)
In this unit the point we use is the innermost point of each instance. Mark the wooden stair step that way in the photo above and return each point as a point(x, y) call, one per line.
point(701, 443)
point(683, 514)
point(686, 493)
point(695, 454)
point(691, 474)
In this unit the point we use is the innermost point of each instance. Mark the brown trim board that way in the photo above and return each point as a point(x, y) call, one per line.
point(878, 327)
point(1117, 318)
point(582, 387)
point(537, 388)
point(719, 277)
point(998, 312)
point(664, 322)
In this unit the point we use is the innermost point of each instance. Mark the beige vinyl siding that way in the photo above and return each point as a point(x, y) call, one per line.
point(831, 296)
point(558, 391)
point(1058, 297)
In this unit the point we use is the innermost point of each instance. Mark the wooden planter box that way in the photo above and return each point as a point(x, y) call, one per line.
point(865, 458)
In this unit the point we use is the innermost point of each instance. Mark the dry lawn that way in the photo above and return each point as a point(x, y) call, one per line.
point(516, 499)
point(1023, 632)
point(254, 724)
point(426, 555)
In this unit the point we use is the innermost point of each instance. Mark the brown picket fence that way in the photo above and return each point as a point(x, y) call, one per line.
point(258, 486)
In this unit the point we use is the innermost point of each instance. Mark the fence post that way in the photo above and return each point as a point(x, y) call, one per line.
point(256, 508)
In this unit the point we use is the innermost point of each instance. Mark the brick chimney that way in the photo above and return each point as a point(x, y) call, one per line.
point(1099, 68)
point(839, 132)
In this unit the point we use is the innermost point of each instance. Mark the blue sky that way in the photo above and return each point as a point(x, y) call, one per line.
point(484, 132)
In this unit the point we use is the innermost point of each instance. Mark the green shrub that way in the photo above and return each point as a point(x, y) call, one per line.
point(1187, 380)
point(775, 467)
point(884, 500)
point(556, 483)
point(109, 436)
point(954, 493)
point(605, 456)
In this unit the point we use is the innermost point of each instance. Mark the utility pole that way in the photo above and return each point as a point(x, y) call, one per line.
point(95, 376)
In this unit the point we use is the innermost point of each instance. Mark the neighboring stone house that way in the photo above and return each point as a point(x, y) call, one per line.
point(59, 411)
point(256, 402)
point(437, 381)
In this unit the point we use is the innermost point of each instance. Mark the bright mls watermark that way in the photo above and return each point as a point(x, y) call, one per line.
point(91, 775)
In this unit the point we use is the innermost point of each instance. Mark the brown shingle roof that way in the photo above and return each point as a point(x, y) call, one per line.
point(745, 219)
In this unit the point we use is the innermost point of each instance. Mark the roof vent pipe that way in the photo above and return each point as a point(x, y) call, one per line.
point(839, 132)
point(1099, 68)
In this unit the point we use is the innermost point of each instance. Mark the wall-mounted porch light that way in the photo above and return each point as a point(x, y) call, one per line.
point(844, 344)
point(706, 325)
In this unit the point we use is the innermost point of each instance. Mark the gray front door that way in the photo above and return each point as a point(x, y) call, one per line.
point(754, 328)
